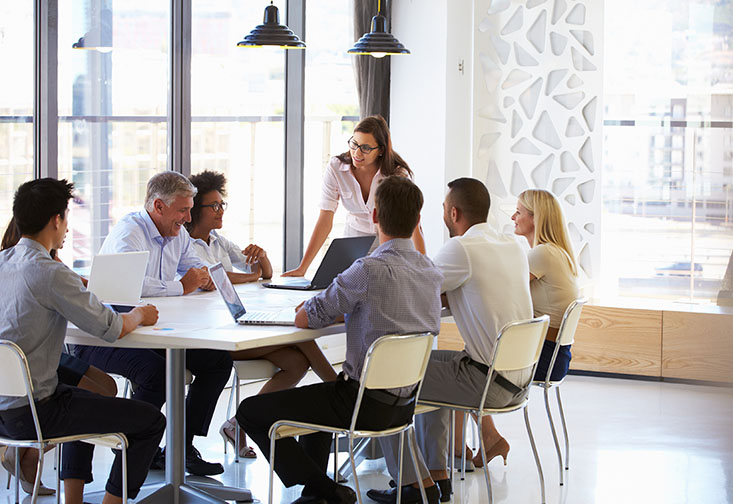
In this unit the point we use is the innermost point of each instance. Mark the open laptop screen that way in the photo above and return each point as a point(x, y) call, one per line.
point(226, 289)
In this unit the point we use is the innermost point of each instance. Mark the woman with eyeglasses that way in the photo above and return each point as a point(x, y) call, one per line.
point(352, 177)
point(293, 361)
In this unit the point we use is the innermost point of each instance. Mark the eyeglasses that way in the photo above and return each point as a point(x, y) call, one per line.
point(365, 149)
point(216, 206)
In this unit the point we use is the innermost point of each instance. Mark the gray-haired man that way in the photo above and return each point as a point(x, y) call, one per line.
point(159, 229)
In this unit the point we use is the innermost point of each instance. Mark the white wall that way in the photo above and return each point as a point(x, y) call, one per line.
point(430, 102)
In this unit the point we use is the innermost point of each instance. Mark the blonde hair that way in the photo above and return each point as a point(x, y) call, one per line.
point(549, 222)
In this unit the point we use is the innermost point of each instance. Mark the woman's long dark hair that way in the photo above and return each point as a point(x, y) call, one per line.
point(389, 162)
point(11, 236)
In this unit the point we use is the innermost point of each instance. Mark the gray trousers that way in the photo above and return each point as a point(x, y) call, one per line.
point(448, 378)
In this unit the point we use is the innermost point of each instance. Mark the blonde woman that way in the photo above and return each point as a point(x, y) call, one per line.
point(553, 272)
point(553, 275)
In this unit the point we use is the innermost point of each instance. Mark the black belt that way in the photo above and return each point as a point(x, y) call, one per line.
point(499, 379)
point(381, 396)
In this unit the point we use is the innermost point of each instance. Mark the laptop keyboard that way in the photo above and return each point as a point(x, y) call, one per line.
point(260, 316)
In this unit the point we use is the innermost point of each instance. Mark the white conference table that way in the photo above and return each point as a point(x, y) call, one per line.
point(201, 320)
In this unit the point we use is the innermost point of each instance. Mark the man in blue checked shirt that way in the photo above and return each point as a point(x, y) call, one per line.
point(394, 290)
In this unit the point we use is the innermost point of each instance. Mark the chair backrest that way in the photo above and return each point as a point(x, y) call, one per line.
point(15, 378)
point(395, 361)
point(566, 332)
point(519, 344)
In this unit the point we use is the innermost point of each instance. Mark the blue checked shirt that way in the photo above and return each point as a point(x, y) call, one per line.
point(395, 290)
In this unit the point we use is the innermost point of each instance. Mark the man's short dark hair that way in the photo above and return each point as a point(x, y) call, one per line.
point(471, 197)
point(398, 201)
point(205, 182)
point(35, 202)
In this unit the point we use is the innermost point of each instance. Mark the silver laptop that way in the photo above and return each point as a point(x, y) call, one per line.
point(117, 279)
point(236, 308)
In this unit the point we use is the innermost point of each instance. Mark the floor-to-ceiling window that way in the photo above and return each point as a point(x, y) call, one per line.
point(331, 103)
point(113, 107)
point(668, 148)
point(16, 102)
point(237, 119)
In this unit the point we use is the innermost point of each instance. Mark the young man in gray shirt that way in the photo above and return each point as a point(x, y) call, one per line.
point(38, 297)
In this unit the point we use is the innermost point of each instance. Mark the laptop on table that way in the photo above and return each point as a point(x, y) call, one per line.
point(236, 308)
point(340, 255)
point(117, 279)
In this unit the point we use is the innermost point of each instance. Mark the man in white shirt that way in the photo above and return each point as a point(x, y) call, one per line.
point(486, 284)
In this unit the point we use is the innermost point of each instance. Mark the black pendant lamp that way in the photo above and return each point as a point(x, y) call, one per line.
point(99, 36)
point(378, 42)
point(272, 33)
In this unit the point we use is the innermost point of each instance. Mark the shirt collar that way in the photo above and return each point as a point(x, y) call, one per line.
point(395, 244)
point(31, 243)
point(153, 229)
point(481, 227)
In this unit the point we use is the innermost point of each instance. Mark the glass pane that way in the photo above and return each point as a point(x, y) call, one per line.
point(668, 207)
point(332, 105)
point(16, 102)
point(112, 114)
point(238, 100)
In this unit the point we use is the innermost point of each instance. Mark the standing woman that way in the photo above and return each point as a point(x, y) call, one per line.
point(353, 177)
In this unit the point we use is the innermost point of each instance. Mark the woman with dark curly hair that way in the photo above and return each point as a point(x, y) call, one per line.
point(293, 360)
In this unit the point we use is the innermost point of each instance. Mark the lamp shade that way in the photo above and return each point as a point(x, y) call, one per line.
point(378, 42)
point(272, 33)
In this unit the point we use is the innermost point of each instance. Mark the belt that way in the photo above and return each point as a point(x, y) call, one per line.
point(499, 379)
point(381, 396)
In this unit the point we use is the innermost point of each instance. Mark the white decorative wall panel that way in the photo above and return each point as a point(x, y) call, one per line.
point(537, 97)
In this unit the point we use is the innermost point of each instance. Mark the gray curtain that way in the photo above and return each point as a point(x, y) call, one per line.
point(372, 74)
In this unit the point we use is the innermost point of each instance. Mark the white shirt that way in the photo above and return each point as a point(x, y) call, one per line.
point(219, 249)
point(555, 286)
point(485, 279)
point(339, 183)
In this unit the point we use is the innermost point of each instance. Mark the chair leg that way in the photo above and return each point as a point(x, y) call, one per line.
point(452, 443)
point(124, 473)
point(400, 459)
point(411, 442)
point(37, 482)
point(353, 468)
point(482, 449)
point(536, 456)
point(17, 472)
point(564, 428)
point(554, 433)
point(272, 468)
point(463, 447)
point(57, 462)
point(336, 457)
point(237, 441)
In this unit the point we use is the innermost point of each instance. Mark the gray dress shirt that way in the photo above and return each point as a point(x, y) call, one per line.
point(37, 298)
point(395, 290)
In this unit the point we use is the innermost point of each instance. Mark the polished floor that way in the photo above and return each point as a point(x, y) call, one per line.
point(631, 442)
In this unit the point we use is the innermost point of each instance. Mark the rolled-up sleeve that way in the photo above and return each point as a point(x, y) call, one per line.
point(343, 296)
point(235, 254)
point(330, 187)
point(67, 295)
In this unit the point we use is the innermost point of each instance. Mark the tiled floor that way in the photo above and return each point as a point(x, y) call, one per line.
point(631, 442)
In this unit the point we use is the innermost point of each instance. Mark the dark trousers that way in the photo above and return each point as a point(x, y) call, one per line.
point(146, 369)
point(332, 403)
point(562, 362)
point(71, 410)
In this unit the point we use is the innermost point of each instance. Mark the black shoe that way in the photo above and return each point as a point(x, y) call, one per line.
point(410, 495)
point(342, 495)
point(199, 467)
point(158, 462)
point(331, 494)
point(445, 488)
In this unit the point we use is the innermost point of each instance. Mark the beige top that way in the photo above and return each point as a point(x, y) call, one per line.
point(555, 286)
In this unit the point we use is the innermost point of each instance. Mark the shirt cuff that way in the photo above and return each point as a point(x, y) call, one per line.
point(115, 329)
point(174, 288)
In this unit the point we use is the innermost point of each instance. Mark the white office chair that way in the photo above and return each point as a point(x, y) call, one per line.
point(15, 381)
point(518, 346)
point(252, 369)
point(565, 336)
point(392, 361)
